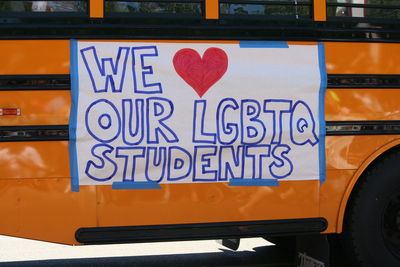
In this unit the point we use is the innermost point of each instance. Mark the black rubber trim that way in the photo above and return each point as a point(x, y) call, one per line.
point(34, 82)
point(354, 81)
point(229, 27)
point(363, 128)
point(34, 133)
point(180, 232)
point(62, 82)
point(61, 132)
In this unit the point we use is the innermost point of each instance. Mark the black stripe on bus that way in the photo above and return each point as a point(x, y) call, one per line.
point(363, 128)
point(180, 232)
point(34, 133)
point(229, 27)
point(62, 82)
point(34, 82)
point(295, 23)
point(363, 81)
point(61, 132)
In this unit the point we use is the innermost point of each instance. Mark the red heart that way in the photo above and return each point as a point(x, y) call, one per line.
point(201, 73)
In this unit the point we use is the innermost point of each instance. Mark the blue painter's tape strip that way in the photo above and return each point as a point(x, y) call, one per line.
point(322, 128)
point(253, 182)
point(263, 44)
point(73, 116)
point(135, 185)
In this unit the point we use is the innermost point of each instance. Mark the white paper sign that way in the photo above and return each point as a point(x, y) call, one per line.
point(247, 114)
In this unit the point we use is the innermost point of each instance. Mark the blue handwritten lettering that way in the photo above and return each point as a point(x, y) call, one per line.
point(107, 72)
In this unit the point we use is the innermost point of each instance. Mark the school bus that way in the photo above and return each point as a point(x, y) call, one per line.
point(53, 52)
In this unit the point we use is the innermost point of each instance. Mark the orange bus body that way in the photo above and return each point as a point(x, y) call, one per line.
point(35, 189)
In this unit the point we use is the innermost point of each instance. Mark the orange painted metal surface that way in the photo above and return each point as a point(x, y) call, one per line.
point(96, 8)
point(319, 10)
point(200, 203)
point(52, 107)
point(33, 169)
point(35, 193)
point(33, 160)
point(34, 57)
point(349, 152)
point(346, 158)
point(34, 179)
point(378, 151)
point(37, 107)
point(364, 104)
point(362, 58)
point(212, 9)
point(45, 209)
point(331, 195)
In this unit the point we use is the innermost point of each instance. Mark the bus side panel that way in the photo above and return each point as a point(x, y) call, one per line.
point(33, 160)
point(202, 203)
point(35, 183)
point(362, 58)
point(30, 57)
point(345, 154)
point(35, 193)
point(331, 195)
point(37, 107)
point(45, 209)
point(36, 57)
point(50, 211)
point(9, 201)
point(349, 152)
point(52, 107)
point(362, 104)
